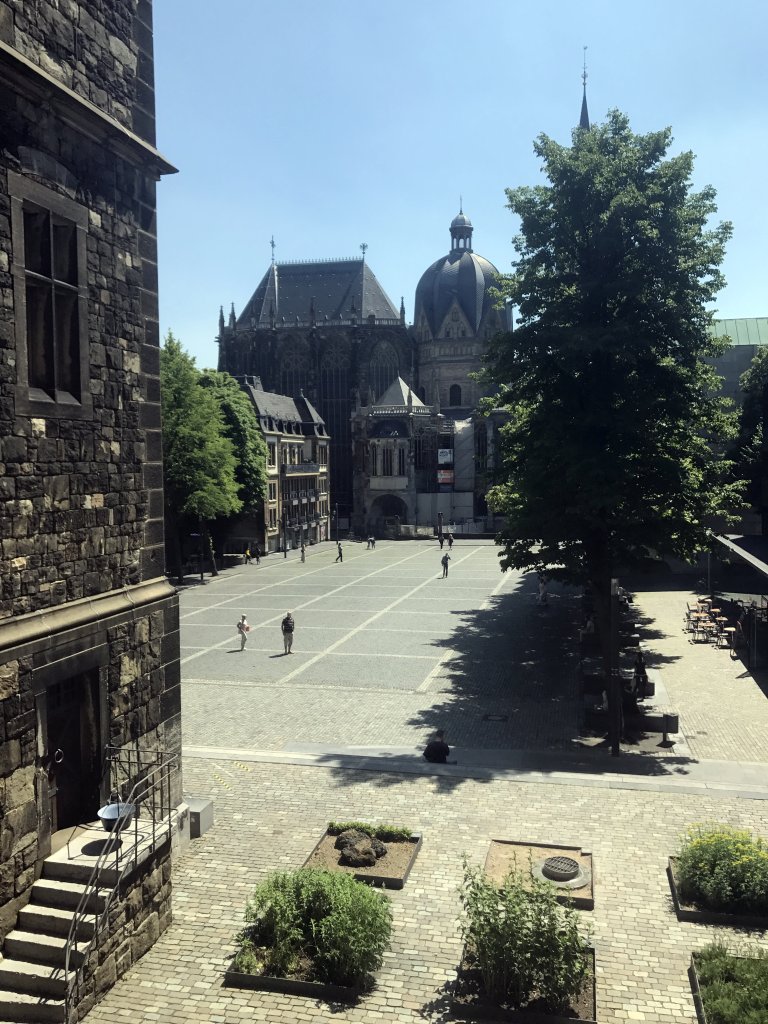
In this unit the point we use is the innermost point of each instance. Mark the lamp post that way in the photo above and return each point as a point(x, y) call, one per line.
point(336, 518)
point(285, 532)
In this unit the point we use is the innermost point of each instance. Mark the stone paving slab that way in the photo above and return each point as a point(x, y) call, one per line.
point(271, 815)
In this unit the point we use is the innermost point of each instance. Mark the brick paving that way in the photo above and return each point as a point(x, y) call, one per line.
point(386, 651)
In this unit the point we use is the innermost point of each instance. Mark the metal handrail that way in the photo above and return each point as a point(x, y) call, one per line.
point(154, 782)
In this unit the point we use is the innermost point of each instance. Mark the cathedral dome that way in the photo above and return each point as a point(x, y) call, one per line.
point(461, 277)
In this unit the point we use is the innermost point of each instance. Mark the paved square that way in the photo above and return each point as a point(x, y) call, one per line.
point(386, 651)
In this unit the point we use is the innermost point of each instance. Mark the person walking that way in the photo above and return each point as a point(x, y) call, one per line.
point(340, 556)
point(243, 629)
point(257, 553)
point(542, 598)
point(373, 542)
point(368, 546)
point(303, 553)
point(441, 538)
point(444, 562)
point(247, 556)
point(287, 627)
point(450, 541)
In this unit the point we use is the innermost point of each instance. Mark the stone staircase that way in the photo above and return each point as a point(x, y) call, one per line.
point(32, 979)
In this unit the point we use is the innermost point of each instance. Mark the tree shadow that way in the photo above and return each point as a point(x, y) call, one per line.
point(509, 698)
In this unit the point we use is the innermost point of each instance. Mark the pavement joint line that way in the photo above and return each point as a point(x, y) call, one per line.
point(233, 637)
point(357, 629)
point(426, 683)
point(401, 766)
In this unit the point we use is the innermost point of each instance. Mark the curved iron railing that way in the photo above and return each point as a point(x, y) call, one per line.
point(149, 774)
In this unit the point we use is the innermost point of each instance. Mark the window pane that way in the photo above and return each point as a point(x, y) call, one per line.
point(67, 342)
point(37, 241)
point(65, 251)
point(39, 336)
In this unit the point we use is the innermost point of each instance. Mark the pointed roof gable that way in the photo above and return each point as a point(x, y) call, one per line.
point(319, 290)
point(397, 394)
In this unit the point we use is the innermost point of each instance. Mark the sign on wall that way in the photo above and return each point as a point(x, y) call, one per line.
point(445, 456)
point(445, 476)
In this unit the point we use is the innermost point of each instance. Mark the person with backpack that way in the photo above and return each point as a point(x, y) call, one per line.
point(243, 629)
point(287, 626)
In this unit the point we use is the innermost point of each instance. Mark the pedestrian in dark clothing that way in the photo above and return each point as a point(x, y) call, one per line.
point(444, 562)
point(450, 541)
point(340, 556)
point(373, 543)
point(257, 553)
point(437, 750)
point(441, 538)
point(287, 626)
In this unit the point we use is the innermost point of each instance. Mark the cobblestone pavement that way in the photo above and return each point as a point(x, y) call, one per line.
point(270, 816)
point(385, 652)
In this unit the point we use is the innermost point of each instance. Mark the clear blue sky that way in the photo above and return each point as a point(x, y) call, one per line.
point(328, 124)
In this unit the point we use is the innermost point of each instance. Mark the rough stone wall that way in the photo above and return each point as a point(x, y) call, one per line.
point(136, 922)
point(100, 49)
point(81, 501)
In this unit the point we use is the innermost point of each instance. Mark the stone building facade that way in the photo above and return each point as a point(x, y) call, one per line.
point(297, 503)
point(326, 329)
point(89, 647)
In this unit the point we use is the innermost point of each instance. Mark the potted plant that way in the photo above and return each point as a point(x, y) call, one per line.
point(524, 956)
point(311, 932)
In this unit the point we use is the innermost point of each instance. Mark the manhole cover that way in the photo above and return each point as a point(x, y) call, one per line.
point(560, 869)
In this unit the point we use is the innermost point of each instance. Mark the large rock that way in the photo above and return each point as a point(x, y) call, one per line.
point(358, 855)
point(349, 838)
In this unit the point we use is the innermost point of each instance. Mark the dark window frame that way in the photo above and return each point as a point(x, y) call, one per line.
point(54, 401)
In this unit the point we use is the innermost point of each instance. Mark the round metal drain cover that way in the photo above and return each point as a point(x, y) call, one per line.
point(560, 869)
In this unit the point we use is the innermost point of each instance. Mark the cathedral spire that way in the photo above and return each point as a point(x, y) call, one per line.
point(221, 321)
point(232, 317)
point(402, 311)
point(584, 119)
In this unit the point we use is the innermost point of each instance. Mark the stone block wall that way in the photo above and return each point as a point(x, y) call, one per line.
point(136, 921)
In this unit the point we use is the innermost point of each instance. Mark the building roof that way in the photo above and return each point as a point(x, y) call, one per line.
point(316, 291)
point(746, 330)
point(299, 412)
point(397, 394)
point(462, 276)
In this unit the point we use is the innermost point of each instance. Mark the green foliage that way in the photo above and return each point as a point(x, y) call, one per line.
point(386, 833)
point(723, 869)
point(340, 925)
point(734, 987)
point(198, 457)
point(525, 944)
point(242, 428)
point(748, 453)
point(610, 454)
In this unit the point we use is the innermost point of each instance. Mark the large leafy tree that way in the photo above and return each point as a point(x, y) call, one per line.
point(198, 457)
point(749, 451)
point(242, 429)
point(610, 455)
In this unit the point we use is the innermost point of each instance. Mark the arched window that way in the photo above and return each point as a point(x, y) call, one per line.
point(454, 395)
point(383, 368)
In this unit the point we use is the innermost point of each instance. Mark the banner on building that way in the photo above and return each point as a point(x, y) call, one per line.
point(445, 476)
point(445, 456)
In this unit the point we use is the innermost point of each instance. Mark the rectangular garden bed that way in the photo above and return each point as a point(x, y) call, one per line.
point(699, 992)
point(470, 1002)
point(505, 855)
point(690, 912)
point(391, 871)
point(294, 986)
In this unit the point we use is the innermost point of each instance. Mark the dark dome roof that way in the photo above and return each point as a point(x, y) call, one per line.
point(461, 220)
point(461, 276)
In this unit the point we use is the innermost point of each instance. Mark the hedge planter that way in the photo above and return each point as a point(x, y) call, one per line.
point(390, 871)
point(701, 915)
point(739, 990)
point(297, 987)
point(470, 1002)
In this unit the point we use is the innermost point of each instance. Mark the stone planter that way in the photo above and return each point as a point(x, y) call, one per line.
point(529, 858)
point(693, 976)
point(325, 856)
point(700, 915)
point(295, 986)
point(469, 1002)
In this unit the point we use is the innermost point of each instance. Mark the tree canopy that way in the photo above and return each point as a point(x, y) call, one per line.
point(610, 455)
point(242, 429)
point(198, 455)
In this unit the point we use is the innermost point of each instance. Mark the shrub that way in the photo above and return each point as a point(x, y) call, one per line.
point(337, 925)
point(723, 868)
point(523, 942)
point(386, 833)
point(734, 988)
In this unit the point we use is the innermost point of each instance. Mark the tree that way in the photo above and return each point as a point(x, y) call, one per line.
point(198, 458)
point(749, 450)
point(609, 455)
point(242, 428)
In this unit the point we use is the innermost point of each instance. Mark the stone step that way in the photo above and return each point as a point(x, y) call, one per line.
point(54, 921)
point(73, 871)
point(51, 892)
point(34, 979)
point(41, 949)
point(25, 1009)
